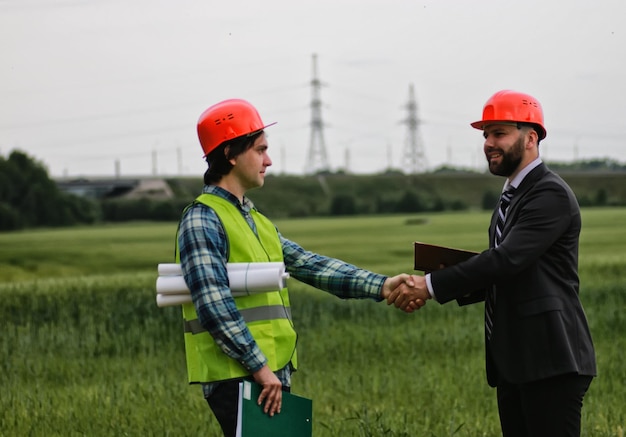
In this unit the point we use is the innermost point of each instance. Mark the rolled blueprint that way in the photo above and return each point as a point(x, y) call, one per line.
point(169, 300)
point(244, 279)
point(172, 269)
point(167, 269)
point(171, 285)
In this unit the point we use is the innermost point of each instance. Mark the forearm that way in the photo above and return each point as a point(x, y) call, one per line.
point(335, 276)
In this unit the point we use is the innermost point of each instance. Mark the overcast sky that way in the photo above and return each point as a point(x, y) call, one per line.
point(86, 84)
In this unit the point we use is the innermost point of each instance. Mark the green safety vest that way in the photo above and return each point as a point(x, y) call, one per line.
point(267, 315)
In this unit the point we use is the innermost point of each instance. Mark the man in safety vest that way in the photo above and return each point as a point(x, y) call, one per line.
point(228, 339)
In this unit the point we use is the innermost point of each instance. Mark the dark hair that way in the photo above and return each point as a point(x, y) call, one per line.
point(218, 159)
point(537, 128)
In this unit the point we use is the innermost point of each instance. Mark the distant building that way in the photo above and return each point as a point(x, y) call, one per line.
point(152, 188)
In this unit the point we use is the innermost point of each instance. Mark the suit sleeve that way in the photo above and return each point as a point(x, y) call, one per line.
point(537, 221)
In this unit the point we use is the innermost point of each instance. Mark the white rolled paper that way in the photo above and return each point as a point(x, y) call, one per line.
point(257, 279)
point(171, 285)
point(168, 300)
point(244, 279)
point(234, 267)
point(173, 269)
point(168, 269)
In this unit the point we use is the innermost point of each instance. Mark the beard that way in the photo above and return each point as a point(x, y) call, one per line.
point(510, 160)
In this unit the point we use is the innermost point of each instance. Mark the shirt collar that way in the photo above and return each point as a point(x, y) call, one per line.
point(225, 194)
point(517, 180)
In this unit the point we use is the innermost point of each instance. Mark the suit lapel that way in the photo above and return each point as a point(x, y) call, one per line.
point(492, 226)
point(529, 181)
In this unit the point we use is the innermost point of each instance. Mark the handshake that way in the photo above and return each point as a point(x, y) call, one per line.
point(407, 292)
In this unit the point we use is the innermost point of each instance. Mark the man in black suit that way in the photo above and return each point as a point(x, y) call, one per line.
point(539, 352)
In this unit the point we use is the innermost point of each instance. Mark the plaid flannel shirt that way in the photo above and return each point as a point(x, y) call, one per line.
point(203, 255)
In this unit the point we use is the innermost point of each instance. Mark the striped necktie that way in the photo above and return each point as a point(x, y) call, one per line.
point(490, 301)
point(505, 201)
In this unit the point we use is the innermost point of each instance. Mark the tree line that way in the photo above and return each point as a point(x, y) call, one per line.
point(30, 199)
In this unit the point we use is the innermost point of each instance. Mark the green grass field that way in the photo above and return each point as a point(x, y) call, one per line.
point(84, 350)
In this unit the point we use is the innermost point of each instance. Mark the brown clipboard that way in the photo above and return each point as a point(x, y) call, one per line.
point(429, 257)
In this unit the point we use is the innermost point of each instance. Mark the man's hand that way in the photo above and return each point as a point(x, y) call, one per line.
point(410, 295)
point(272, 391)
point(400, 285)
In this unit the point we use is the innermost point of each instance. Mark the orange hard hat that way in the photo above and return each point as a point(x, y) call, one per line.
point(512, 106)
point(226, 120)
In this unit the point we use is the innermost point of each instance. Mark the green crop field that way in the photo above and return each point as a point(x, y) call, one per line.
point(85, 351)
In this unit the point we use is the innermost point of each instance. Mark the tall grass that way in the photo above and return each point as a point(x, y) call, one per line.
point(84, 351)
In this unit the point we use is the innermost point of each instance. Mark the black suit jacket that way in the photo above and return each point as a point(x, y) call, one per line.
point(540, 329)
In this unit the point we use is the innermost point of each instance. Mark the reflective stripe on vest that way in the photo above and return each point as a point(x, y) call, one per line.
point(249, 315)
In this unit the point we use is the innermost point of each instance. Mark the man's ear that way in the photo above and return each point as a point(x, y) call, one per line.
point(231, 160)
point(533, 138)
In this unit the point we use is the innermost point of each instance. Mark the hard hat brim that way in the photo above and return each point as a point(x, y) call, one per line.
point(482, 123)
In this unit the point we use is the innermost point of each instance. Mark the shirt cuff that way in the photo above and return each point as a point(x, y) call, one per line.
point(376, 289)
point(253, 360)
point(430, 287)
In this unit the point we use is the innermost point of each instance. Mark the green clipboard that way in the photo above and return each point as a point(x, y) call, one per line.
point(294, 420)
